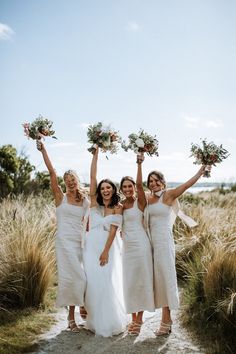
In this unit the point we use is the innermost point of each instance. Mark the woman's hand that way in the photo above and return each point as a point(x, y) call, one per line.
point(104, 258)
point(140, 157)
point(95, 149)
point(39, 145)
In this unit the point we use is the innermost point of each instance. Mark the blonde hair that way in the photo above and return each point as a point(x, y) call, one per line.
point(81, 192)
point(159, 175)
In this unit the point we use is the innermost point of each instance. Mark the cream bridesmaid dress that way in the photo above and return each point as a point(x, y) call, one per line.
point(71, 222)
point(160, 222)
point(137, 263)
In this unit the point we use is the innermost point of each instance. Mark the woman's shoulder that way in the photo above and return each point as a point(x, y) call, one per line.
point(118, 208)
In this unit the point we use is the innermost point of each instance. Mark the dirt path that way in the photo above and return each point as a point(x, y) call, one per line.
point(59, 341)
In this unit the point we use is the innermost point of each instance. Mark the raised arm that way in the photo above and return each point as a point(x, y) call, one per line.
point(139, 183)
point(93, 178)
point(176, 192)
point(56, 189)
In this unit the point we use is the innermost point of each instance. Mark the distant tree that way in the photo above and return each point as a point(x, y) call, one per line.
point(22, 176)
point(15, 171)
point(16, 175)
point(41, 183)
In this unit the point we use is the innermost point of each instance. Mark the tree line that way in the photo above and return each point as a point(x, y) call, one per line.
point(16, 174)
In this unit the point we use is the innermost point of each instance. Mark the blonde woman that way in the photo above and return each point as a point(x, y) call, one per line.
point(71, 212)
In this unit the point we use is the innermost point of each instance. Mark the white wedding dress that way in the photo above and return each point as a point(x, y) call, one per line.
point(104, 294)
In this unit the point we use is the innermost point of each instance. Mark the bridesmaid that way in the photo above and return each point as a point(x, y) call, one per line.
point(159, 211)
point(71, 212)
point(137, 253)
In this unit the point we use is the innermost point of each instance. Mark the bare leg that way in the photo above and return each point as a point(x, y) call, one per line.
point(166, 322)
point(83, 312)
point(71, 315)
point(71, 320)
point(135, 329)
point(139, 318)
point(166, 317)
point(130, 326)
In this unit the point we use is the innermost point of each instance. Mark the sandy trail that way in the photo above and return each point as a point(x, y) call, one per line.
point(58, 340)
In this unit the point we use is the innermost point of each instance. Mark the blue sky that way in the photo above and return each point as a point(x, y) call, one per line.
point(165, 66)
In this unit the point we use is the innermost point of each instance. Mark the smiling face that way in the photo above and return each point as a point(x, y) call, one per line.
point(106, 191)
point(156, 181)
point(128, 188)
point(71, 182)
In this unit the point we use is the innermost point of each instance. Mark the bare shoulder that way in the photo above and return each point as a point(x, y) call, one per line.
point(169, 196)
point(123, 204)
point(169, 191)
point(118, 208)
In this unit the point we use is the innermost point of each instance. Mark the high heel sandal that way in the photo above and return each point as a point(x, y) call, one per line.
point(165, 329)
point(83, 312)
point(130, 326)
point(136, 328)
point(72, 326)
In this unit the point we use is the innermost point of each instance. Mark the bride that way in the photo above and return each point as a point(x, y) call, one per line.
point(102, 259)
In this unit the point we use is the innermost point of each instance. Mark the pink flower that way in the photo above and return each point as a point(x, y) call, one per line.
point(26, 128)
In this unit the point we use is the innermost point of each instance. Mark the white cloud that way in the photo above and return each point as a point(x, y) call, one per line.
point(191, 122)
point(213, 124)
point(5, 32)
point(133, 27)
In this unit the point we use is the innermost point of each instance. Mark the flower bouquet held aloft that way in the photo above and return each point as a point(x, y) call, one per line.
point(142, 142)
point(209, 154)
point(103, 137)
point(39, 128)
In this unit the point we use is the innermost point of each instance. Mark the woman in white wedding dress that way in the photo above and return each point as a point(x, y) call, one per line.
point(102, 259)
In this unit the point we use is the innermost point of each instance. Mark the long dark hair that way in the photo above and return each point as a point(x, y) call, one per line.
point(159, 175)
point(115, 196)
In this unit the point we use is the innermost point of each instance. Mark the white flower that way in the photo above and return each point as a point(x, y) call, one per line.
point(140, 143)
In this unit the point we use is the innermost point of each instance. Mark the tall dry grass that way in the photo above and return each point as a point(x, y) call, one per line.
point(27, 261)
point(206, 263)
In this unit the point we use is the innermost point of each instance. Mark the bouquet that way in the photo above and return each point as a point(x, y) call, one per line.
point(142, 142)
point(103, 137)
point(39, 128)
point(209, 154)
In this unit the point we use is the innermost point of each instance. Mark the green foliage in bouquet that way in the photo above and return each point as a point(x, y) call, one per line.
point(104, 137)
point(39, 128)
point(141, 142)
point(208, 154)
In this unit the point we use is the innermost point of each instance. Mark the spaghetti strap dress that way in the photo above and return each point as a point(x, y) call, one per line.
point(165, 280)
point(69, 255)
point(137, 263)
